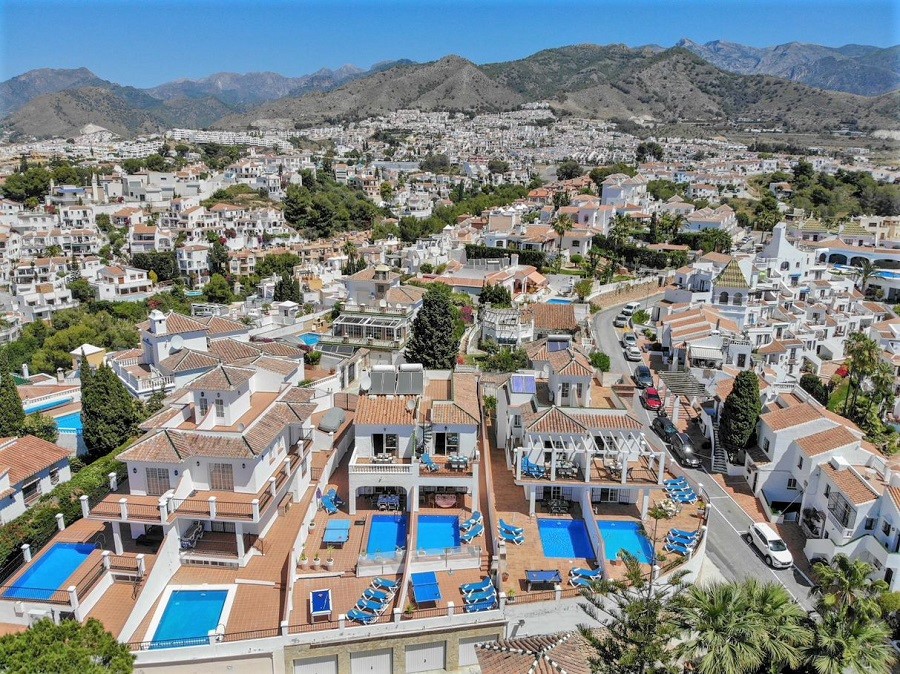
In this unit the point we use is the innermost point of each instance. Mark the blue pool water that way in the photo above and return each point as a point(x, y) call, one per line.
point(310, 338)
point(625, 536)
point(48, 405)
point(388, 532)
point(193, 293)
point(437, 532)
point(190, 615)
point(557, 300)
point(565, 539)
point(48, 573)
point(69, 423)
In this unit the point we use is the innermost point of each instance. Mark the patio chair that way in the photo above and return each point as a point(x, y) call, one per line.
point(586, 573)
point(682, 550)
point(385, 584)
point(476, 597)
point(328, 505)
point(474, 520)
point(429, 463)
point(472, 533)
point(512, 538)
point(486, 605)
point(579, 581)
point(480, 586)
point(532, 469)
point(362, 617)
point(333, 495)
point(510, 529)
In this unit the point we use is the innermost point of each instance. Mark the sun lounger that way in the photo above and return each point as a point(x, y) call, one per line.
point(586, 573)
point(371, 606)
point(678, 548)
point(511, 538)
point(377, 595)
point(472, 533)
point(685, 498)
point(476, 597)
point(682, 540)
point(475, 519)
point(579, 581)
point(333, 495)
point(361, 617)
point(328, 505)
point(480, 586)
point(385, 584)
point(685, 534)
point(486, 605)
point(509, 528)
point(429, 463)
point(677, 480)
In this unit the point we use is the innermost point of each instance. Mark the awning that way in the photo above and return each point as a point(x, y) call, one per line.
point(705, 353)
point(537, 278)
point(426, 587)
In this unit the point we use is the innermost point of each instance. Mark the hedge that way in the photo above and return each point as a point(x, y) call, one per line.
point(535, 258)
point(37, 525)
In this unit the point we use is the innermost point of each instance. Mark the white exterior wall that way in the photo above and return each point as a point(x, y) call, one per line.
point(405, 439)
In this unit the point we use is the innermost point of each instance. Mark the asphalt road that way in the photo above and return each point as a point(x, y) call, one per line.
point(726, 548)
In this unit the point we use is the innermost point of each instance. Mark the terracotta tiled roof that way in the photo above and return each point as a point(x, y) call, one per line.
point(271, 424)
point(386, 410)
point(540, 654)
point(277, 365)
point(554, 317)
point(223, 378)
point(28, 456)
point(608, 421)
point(465, 394)
point(298, 395)
point(170, 446)
point(404, 295)
point(571, 363)
point(555, 420)
point(279, 349)
point(177, 323)
point(223, 326)
point(188, 360)
point(826, 441)
point(231, 350)
point(791, 416)
point(850, 485)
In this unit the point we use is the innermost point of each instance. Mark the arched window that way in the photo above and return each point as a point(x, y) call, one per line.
point(737, 300)
point(723, 298)
point(785, 266)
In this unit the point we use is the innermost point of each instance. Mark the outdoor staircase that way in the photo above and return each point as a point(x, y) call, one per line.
point(719, 456)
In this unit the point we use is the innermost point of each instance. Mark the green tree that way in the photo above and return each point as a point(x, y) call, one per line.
point(814, 386)
point(740, 413)
point(497, 166)
point(648, 150)
point(506, 359)
point(601, 173)
point(496, 294)
point(386, 191)
point(33, 183)
point(845, 586)
point(640, 317)
point(156, 162)
point(81, 290)
point(866, 271)
point(583, 288)
point(433, 343)
point(600, 361)
point(803, 174)
point(41, 426)
point(864, 356)
point(11, 413)
point(568, 169)
point(67, 648)
point(108, 412)
point(842, 646)
point(561, 225)
point(218, 290)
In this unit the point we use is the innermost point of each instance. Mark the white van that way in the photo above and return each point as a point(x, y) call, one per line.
point(630, 308)
point(769, 543)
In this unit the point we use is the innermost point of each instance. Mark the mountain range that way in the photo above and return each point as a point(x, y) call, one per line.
point(716, 83)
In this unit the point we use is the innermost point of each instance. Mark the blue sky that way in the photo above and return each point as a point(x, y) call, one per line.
point(143, 43)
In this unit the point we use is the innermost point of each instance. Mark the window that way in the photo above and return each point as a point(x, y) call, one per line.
point(54, 476)
point(452, 442)
point(157, 481)
point(517, 421)
point(31, 492)
point(579, 390)
point(792, 483)
point(886, 528)
point(565, 390)
point(204, 407)
point(869, 524)
point(390, 442)
point(800, 462)
point(220, 408)
point(221, 477)
point(766, 445)
point(827, 490)
point(723, 298)
point(841, 510)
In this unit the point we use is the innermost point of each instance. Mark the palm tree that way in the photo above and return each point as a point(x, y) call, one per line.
point(866, 272)
point(620, 231)
point(853, 646)
point(845, 587)
point(786, 623)
point(863, 360)
point(562, 225)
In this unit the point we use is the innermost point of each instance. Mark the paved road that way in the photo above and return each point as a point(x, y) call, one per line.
point(726, 547)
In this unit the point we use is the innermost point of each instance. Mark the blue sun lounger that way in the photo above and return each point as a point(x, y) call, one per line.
point(678, 548)
point(586, 573)
point(475, 519)
point(371, 606)
point(429, 463)
point(480, 586)
point(512, 538)
point(685, 534)
point(509, 528)
point(333, 495)
point(486, 605)
point(377, 595)
point(476, 597)
point(472, 534)
point(580, 581)
point(328, 505)
point(356, 615)
point(385, 584)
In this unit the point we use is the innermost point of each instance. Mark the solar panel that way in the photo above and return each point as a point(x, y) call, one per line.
point(557, 345)
point(404, 383)
point(523, 384)
point(383, 383)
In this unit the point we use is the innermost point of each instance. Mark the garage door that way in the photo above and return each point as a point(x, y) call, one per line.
point(323, 665)
point(467, 654)
point(372, 662)
point(426, 657)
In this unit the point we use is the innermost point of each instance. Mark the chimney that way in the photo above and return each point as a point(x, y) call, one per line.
point(514, 260)
point(60, 377)
point(25, 370)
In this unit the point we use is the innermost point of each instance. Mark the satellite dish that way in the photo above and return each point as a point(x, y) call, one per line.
point(177, 343)
point(410, 405)
point(365, 383)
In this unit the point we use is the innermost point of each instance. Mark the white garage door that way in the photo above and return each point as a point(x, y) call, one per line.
point(323, 665)
point(467, 654)
point(372, 662)
point(426, 657)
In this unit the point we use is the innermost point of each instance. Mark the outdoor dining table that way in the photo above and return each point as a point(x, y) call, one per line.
point(388, 502)
point(458, 462)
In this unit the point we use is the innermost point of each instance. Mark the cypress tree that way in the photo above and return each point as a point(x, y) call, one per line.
point(108, 411)
point(432, 343)
point(12, 416)
point(741, 411)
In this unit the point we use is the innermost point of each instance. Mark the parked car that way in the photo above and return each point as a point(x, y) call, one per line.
point(650, 399)
point(769, 543)
point(664, 428)
point(642, 376)
point(683, 448)
point(629, 339)
point(630, 308)
point(621, 321)
point(633, 354)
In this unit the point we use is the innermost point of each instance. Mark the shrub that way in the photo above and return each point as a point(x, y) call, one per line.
point(600, 361)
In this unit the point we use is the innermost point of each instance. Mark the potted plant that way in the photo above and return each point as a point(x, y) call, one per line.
point(409, 609)
point(329, 560)
point(511, 595)
point(316, 561)
point(302, 561)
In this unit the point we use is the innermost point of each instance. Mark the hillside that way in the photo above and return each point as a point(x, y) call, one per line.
point(452, 83)
point(856, 69)
point(20, 90)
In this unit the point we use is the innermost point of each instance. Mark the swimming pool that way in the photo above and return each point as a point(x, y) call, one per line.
point(50, 571)
point(557, 300)
point(188, 617)
point(625, 536)
point(437, 532)
point(48, 405)
point(387, 533)
point(565, 539)
point(310, 338)
point(193, 293)
point(69, 423)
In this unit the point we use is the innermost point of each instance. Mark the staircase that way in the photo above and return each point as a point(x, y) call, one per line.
point(719, 456)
